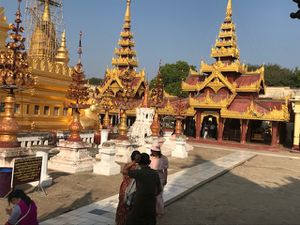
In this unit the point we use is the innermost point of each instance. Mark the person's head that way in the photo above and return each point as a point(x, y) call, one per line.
point(155, 151)
point(144, 160)
point(134, 154)
point(16, 195)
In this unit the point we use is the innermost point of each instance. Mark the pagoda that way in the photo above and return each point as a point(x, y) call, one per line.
point(43, 107)
point(225, 94)
point(122, 79)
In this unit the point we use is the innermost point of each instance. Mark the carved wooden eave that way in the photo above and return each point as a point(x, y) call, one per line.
point(282, 115)
point(255, 86)
point(222, 67)
point(209, 103)
point(216, 81)
point(167, 110)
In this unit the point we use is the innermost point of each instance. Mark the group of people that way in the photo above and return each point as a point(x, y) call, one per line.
point(140, 197)
point(141, 191)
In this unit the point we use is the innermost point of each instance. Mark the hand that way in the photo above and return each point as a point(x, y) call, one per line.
point(8, 211)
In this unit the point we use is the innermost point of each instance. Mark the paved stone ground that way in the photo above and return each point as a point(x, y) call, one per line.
point(264, 190)
point(72, 191)
point(179, 184)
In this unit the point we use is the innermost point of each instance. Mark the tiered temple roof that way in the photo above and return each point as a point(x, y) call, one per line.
point(228, 86)
point(124, 64)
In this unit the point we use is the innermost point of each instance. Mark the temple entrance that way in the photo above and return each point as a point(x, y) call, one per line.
point(259, 132)
point(232, 130)
point(209, 127)
point(190, 129)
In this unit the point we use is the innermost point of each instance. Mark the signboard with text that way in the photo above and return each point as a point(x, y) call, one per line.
point(26, 170)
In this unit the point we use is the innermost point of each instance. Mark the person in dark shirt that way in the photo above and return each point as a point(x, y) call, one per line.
point(147, 188)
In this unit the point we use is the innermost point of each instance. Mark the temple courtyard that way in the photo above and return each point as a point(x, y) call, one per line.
point(215, 185)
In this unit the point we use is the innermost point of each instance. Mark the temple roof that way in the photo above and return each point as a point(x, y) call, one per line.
point(124, 63)
point(226, 43)
point(125, 54)
point(258, 109)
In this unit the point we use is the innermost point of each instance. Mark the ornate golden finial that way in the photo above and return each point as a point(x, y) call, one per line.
point(79, 67)
point(63, 53)
point(15, 75)
point(127, 17)
point(229, 10)
point(146, 95)
point(46, 15)
point(125, 54)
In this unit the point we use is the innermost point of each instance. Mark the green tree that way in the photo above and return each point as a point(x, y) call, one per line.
point(276, 75)
point(95, 81)
point(172, 75)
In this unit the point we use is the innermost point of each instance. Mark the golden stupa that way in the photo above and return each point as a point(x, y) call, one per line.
point(43, 106)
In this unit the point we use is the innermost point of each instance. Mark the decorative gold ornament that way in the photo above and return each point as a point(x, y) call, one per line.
point(123, 124)
point(75, 127)
point(79, 92)
point(155, 126)
point(178, 126)
point(15, 74)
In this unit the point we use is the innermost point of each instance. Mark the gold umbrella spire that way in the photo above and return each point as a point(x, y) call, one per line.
point(46, 15)
point(226, 48)
point(127, 18)
point(125, 54)
point(229, 10)
point(62, 55)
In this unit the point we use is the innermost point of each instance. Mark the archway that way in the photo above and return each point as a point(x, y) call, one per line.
point(209, 127)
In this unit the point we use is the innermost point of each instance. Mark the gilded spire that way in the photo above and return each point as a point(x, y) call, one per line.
point(43, 41)
point(62, 55)
point(46, 15)
point(226, 49)
point(3, 28)
point(125, 54)
point(229, 11)
point(127, 18)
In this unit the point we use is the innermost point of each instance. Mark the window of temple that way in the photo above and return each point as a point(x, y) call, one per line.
point(46, 110)
point(56, 111)
point(36, 110)
point(17, 108)
point(2, 106)
point(65, 113)
point(27, 108)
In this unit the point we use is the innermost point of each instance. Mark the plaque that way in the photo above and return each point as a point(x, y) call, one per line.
point(26, 170)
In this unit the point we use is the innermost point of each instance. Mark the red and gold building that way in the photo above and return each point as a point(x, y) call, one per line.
point(225, 95)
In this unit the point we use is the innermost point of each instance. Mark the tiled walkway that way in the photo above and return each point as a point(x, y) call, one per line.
point(179, 184)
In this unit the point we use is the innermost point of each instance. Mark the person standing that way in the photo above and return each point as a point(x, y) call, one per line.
point(24, 211)
point(147, 188)
point(160, 163)
point(123, 208)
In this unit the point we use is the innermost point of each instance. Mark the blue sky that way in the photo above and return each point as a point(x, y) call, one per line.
point(173, 30)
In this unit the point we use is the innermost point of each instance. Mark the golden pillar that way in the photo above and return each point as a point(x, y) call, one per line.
point(296, 108)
